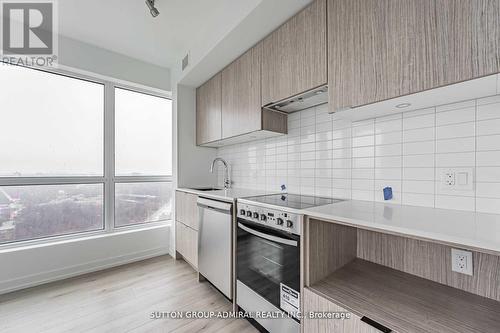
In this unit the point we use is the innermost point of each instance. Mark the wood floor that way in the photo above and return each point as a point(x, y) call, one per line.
point(119, 300)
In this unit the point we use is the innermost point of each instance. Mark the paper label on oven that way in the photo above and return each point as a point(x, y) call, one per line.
point(289, 300)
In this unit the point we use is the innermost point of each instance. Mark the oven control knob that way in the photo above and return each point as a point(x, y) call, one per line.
point(249, 213)
point(289, 223)
point(279, 221)
point(255, 215)
point(263, 217)
point(242, 212)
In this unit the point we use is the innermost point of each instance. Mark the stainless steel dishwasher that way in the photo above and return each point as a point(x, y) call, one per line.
point(214, 243)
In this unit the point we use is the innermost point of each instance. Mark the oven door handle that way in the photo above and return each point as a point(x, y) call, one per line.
point(268, 237)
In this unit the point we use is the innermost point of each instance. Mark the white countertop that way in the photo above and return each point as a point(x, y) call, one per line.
point(226, 195)
point(476, 231)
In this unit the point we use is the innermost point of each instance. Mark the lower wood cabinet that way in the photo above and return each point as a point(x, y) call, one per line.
point(186, 209)
point(186, 240)
point(314, 304)
point(186, 226)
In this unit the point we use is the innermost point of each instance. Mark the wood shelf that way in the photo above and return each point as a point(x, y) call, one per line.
point(407, 303)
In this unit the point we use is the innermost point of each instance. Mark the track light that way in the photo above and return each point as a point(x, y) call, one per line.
point(152, 9)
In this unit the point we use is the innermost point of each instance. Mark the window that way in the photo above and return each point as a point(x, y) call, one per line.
point(58, 176)
point(31, 212)
point(143, 134)
point(137, 203)
point(143, 141)
point(53, 124)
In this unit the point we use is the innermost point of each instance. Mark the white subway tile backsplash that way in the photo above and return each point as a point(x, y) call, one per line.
point(455, 145)
point(416, 199)
point(406, 151)
point(487, 158)
point(427, 120)
point(488, 174)
point(490, 142)
point(363, 174)
point(363, 152)
point(488, 205)
point(416, 161)
point(454, 160)
point(456, 116)
point(488, 190)
point(418, 174)
point(363, 141)
point(388, 150)
point(363, 162)
point(388, 162)
point(488, 127)
point(388, 138)
point(455, 131)
point(488, 111)
point(420, 134)
point(414, 148)
point(455, 202)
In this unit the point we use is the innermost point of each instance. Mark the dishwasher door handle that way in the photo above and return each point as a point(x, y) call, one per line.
point(223, 207)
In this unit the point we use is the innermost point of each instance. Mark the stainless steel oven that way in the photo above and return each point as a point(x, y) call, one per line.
point(268, 265)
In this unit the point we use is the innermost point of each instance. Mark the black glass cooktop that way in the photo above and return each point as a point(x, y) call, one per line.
point(293, 200)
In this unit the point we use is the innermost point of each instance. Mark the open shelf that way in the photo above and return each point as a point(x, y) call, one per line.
point(407, 303)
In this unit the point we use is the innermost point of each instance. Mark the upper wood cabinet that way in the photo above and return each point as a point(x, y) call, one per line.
point(294, 56)
point(208, 111)
point(380, 49)
point(241, 94)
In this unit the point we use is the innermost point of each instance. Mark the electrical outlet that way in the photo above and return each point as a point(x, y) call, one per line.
point(449, 178)
point(457, 179)
point(461, 261)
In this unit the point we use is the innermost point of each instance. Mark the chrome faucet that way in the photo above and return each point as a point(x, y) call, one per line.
point(227, 183)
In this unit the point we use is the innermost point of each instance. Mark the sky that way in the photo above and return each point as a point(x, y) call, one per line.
point(52, 125)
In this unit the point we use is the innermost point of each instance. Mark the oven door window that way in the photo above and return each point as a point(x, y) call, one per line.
point(265, 261)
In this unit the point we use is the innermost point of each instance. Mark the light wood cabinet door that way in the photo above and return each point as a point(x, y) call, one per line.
point(241, 94)
point(208, 111)
point(380, 49)
point(186, 209)
point(186, 240)
point(313, 303)
point(294, 56)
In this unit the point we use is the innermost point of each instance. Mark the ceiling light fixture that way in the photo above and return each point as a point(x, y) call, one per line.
point(403, 105)
point(152, 9)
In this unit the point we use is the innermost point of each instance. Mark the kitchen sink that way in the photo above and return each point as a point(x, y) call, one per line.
point(206, 189)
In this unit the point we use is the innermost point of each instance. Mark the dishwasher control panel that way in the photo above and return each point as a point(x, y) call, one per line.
point(277, 219)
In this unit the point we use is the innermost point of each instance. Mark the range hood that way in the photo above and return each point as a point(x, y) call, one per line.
point(301, 101)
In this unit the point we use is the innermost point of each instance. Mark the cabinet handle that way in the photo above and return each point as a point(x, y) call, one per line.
point(378, 326)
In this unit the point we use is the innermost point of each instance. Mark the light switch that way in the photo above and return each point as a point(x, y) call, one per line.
point(463, 178)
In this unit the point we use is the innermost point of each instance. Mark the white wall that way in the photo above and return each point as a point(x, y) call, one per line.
point(29, 266)
point(193, 162)
point(86, 57)
point(407, 151)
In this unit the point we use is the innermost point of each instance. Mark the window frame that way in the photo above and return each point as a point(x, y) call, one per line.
point(108, 179)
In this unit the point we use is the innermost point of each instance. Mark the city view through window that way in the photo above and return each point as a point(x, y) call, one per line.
point(56, 137)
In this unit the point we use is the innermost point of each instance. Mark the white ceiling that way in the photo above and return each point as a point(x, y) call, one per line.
point(126, 26)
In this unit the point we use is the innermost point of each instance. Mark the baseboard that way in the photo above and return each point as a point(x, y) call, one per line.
point(72, 271)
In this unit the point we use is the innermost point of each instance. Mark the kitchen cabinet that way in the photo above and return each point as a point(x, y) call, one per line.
point(186, 209)
point(382, 49)
point(314, 304)
point(208, 111)
point(241, 94)
point(236, 94)
point(186, 226)
point(186, 240)
point(294, 55)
